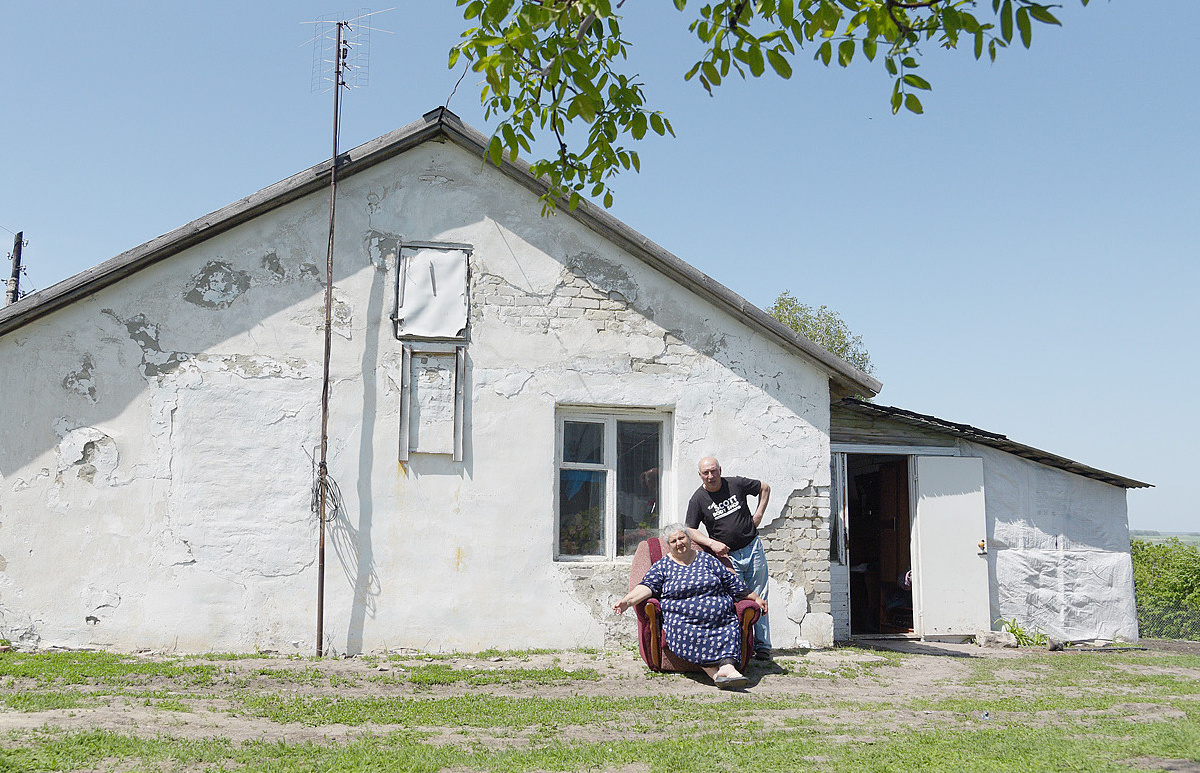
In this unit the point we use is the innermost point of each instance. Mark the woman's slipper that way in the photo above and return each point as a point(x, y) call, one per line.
point(730, 682)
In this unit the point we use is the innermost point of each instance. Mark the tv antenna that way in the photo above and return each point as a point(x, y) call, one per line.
point(341, 48)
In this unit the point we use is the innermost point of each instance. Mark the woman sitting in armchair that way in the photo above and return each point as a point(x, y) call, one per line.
point(697, 593)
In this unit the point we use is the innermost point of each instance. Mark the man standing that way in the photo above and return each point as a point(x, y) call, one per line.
point(720, 504)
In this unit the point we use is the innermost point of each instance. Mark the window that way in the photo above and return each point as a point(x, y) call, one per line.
point(610, 479)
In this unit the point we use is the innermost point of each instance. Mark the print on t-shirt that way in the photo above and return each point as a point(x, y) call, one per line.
point(722, 509)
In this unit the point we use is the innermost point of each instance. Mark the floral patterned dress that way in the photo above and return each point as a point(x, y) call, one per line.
point(698, 607)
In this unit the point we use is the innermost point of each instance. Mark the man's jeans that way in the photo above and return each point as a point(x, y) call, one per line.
point(751, 564)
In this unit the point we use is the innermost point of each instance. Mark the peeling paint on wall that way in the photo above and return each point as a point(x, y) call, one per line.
point(83, 381)
point(271, 263)
point(383, 249)
point(155, 362)
point(342, 312)
point(85, 453)
point(217, 285)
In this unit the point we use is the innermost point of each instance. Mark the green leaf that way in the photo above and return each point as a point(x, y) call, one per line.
point(869, 47)
point(510, 139)
point(755, 60)
point(912, 104)
point(1025, 26)
point(585, 107)
point(495, 150)
point(637, 125)
point(656, 123)
point(787, 12)
point(1042, 14)
point(779, 64)
point(916, 81)
point(845, 52)
point(824, 53)
point(1006, 21)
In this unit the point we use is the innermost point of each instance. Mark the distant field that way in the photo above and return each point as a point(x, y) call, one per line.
point(1186, 537)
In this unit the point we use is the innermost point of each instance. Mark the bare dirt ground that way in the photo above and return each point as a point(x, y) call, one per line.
point(841, 677)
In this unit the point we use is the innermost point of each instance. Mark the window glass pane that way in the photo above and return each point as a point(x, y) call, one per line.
point(581, 512)
point(583, 442)
point(639, 472)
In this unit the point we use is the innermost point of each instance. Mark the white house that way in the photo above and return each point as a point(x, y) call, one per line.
point(515, 402)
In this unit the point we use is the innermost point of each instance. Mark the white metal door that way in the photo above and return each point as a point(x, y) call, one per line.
point(950, 570)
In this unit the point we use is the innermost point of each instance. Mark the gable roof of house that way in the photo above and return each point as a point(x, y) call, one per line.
point(436, 124)
point(985, 438)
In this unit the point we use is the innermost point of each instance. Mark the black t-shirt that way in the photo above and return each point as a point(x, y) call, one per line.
point(724, 511)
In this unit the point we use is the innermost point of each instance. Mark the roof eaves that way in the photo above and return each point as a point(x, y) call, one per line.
point(314, 178)
point(437, 122)
point(1001, 442)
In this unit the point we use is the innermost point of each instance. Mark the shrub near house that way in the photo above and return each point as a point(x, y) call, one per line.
point(1166, 577)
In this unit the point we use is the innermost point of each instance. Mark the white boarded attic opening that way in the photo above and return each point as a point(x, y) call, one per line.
point(432, 288)
point(431, 292)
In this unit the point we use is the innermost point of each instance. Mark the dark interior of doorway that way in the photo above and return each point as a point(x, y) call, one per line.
point(879, 538)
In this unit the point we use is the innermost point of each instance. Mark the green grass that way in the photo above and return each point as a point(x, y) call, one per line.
point(67, 668)
point(440, 673)
point(999, 748)
point(45, 701)
point(1046, 712)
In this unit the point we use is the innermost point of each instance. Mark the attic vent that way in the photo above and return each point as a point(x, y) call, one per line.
point(431, 292)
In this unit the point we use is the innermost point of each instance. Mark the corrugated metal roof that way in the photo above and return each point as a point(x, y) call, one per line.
point(983, 437)
point(440, 123)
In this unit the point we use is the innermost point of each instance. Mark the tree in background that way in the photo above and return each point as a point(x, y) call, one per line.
point(1166, 578)
point(550, 65)
point(1166, 574)
point(822, 326)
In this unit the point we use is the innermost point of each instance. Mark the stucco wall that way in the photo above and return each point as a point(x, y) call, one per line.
point(155, 486)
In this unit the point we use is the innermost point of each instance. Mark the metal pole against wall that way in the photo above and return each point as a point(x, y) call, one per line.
point(340, 54)
point(14, 284)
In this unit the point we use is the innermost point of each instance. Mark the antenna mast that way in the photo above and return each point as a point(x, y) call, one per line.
point(14, 284)
point(345, 72)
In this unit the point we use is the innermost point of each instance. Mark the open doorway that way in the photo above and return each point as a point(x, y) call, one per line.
point(879, 530)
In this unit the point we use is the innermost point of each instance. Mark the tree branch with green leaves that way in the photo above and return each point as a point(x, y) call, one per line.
point(557, 68)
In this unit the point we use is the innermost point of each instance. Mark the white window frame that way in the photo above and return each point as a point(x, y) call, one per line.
point(609, 418)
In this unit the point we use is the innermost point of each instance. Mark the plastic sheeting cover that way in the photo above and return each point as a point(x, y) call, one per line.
point(1069, 595)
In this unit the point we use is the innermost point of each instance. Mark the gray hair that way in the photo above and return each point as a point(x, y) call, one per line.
point(671, 528)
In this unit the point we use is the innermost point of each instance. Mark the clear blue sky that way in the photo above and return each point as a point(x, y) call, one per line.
point(1022, 258)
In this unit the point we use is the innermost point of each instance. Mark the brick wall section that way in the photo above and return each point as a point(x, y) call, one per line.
point(573, 297)
point(797, 546)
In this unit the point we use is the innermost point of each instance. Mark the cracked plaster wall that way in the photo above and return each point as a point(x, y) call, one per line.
point(172, 446)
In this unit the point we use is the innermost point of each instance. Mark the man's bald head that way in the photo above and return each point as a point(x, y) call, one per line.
point(710, 473)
